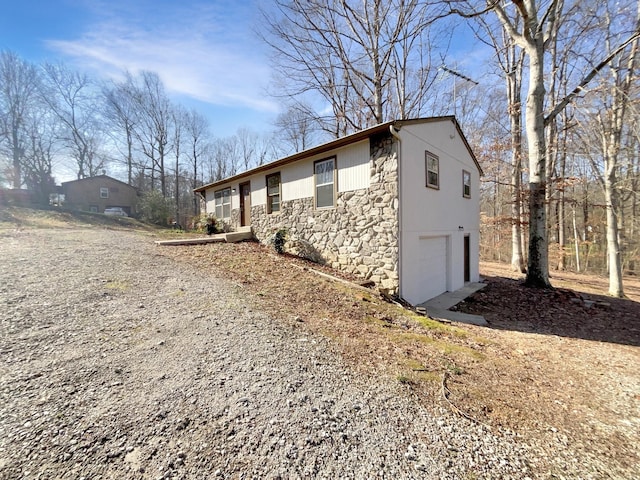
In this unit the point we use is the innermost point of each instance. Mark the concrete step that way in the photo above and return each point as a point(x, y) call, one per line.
point(457, 317)
point(192, 241)
point(233, 237)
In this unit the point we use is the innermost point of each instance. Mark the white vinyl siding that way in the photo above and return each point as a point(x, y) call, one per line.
point(354, 172)
point(297, 181)
point(429, 214)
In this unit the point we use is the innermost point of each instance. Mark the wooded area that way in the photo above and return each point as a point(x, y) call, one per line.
point(553, 116)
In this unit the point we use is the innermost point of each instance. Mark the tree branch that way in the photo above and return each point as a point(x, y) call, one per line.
point(567, 99)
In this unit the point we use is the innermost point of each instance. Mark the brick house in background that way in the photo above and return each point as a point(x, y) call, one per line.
point(94, 194)
point(397, 204)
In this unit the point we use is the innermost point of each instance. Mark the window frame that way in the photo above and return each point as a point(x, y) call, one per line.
point(431, 156)
point(270, 197)
point(220, 195)
point(333, 183)
point(104, 192)
point(466, 184)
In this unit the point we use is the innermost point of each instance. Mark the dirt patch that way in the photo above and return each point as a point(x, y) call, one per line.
point(566, 364)
point(563, 372)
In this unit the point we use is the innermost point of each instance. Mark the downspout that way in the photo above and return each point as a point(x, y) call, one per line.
point(395, 133)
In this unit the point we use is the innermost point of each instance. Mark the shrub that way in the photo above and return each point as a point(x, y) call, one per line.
point(154, 208)
point(278, 240)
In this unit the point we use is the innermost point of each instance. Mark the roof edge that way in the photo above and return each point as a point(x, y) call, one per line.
point(333, 144)
point(96, 177)
point(340, 142)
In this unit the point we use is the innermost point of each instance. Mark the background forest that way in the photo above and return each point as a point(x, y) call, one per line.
point(553, 117)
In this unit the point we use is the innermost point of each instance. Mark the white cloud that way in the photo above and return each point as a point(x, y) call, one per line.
point(198, 51)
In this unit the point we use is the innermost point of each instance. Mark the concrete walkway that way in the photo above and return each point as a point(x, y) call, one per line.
point(439, 306)
point(243, 233)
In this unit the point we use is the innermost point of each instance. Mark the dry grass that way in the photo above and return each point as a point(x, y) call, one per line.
point(561, 387)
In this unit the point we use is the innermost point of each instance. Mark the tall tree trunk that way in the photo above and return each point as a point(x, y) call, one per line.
point(613, 236)
point(17, 165)
point(576, 240)
point(514, 79)
point(562, 237)
point(613, 123)
point(129, 158)
point(538, 262)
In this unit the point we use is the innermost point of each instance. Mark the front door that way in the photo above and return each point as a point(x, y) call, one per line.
point(467, 263)
point(245, 204)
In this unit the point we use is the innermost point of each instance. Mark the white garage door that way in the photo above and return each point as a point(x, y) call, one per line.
point(432, 258)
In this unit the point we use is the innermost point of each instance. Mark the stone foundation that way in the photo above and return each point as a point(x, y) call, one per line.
point(359, 235)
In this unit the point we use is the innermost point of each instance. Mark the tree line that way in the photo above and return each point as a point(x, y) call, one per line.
point(52, 116)
point(553, 118)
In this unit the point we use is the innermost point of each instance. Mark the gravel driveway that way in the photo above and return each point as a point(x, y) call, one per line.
point(116, 362)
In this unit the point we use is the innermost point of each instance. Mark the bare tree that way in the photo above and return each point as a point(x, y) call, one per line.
point(178, 122)
point(532, 28)
point(40, 147)
point(267, 149)
point(510, 60)
point(247, 145)
point(121, 112)
point(153, 129)
point(354, 55)
point(72, 98)
point(197, 143)
point(18, 90)
point(530, 34)
point(609, 113)
point(296, 128)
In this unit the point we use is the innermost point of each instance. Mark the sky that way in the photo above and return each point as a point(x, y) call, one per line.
point(205, 51)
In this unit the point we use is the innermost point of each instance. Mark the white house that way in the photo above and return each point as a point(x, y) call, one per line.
point(397, 204)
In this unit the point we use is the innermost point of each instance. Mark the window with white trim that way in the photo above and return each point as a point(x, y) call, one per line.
point(433, 170)
point(273, 192)
point(223, 203)
point(325, 179)
point(466, 184)
point(104, 192)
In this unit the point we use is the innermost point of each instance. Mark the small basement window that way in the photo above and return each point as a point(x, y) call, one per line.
point(466, 184)
point(433, 170)
point(223, 203)
point(104, 192)
point(273, 192)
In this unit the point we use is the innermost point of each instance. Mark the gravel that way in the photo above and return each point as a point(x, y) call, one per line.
point(117, 362)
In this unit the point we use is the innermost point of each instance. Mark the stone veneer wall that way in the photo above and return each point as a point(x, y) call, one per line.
point(359, 235)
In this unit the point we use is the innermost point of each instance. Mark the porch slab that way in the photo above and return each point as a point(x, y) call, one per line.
point(438, 307)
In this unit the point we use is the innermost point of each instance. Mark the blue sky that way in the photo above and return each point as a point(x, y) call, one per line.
point(204, 51)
